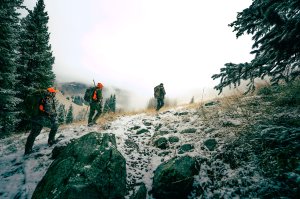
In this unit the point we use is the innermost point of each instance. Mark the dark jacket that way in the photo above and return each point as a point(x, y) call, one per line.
point(159, 92)
point(47, 106)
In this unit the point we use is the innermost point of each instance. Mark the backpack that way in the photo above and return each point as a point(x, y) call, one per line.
point(156, 91)
point(88, 94)
point(33, 101)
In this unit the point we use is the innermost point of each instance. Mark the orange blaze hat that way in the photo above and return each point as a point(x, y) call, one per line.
point(51, 90)
point(99, 85)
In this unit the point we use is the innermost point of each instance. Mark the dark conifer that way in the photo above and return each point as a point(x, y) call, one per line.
point(9, 29)
point(106, 107)
point(112, 103)
point(275, 26)
point(70, 117)
point(36, 57)
point(61, 114)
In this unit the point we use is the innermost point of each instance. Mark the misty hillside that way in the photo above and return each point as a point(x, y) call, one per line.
point(72, 88)
point(240, 146)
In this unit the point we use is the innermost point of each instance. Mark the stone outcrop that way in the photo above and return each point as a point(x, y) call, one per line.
point(90, 167)
point(174, 178)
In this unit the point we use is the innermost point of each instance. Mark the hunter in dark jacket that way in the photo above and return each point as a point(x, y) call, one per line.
point(46, 117)
point(95, 105)
point(159, 94)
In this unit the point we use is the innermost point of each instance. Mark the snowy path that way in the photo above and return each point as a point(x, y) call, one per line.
point(19, 175)
point(135, 136)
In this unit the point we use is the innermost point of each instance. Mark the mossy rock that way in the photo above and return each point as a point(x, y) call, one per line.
point(90, 167)
point(185, 148)
point(174, 178)
point(188, 130)
point(173, 139)
point(161, 143)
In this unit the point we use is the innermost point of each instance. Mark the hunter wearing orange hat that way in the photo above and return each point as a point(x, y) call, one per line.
point(95, 105)
point(46, 117)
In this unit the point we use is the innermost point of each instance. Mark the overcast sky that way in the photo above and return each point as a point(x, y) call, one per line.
point(137, 44)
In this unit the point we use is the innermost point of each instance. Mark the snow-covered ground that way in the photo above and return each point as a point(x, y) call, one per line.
point(20, 174)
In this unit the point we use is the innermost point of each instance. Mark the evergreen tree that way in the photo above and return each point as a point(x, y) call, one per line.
point(106, 106)
point(275, 26)
point(70, 117)
point(36, 57)
point(78, 100)
point(61, 114)
point(9, 30)
point(112, 103)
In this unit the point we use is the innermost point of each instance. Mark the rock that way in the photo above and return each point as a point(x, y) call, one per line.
point(185, 148)
point(134, 128)
point(182, 113)
point(141, 131)
point(173, 139)
point(174, 178)
point(161, 132)
point(131, 144)
point(212, 103)
point(189, 130)
point(210, 144)
point(146, 123)
point(141, 193)
point(56, 151)
point(164, 153)
point(157, 127)
point(209, 130)
point(230, 123)
point(161, 143)
point(90, 167)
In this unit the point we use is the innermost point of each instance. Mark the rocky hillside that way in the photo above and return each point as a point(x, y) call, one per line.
point(234, 147)
point(72, 88)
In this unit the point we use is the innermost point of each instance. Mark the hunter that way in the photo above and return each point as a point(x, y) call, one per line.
point(159, 94)
point(95, 105)
point(46, 117)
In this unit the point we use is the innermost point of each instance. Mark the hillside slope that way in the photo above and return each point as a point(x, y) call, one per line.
point(249, 148)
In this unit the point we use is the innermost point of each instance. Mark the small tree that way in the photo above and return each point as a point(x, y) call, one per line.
point(112, 103)
point(77, 100)
point(106, 106)
point(61, 114)
point(70, 117)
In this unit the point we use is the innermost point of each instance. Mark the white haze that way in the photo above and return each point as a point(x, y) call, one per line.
point(137, 44)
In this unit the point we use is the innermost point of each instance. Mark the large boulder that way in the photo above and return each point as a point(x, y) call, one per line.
point(90, 167)
point(174, 179)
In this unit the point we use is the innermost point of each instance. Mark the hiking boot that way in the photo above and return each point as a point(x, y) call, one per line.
point(27, 152)
point(51, 142)
point(91, 123)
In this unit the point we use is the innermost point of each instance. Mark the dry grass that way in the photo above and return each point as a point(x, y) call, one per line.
point(262, 84)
